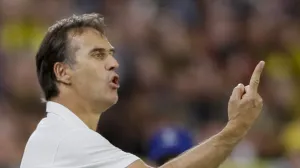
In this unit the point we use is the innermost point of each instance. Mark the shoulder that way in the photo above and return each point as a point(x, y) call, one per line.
point(91, 148)
point(82, 137)
point(79, 139)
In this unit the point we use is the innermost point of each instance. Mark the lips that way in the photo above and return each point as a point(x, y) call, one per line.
point(115, 82)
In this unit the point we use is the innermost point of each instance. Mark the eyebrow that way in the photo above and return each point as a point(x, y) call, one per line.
point(97, 49)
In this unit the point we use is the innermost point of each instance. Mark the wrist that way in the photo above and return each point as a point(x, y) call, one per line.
point(236, 129)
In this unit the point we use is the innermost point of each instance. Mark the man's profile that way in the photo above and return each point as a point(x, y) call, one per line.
point(76, 69)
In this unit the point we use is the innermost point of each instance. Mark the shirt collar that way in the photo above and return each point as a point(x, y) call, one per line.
point(65, 113)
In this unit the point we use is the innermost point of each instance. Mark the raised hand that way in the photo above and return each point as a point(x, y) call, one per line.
point(245, 103)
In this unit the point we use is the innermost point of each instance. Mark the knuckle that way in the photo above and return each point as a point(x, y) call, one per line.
point(255, 101)
point(236, 88)
point(232, 101)
point(251, 99)
point(260, 100)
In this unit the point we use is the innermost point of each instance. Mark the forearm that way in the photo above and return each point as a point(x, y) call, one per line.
point(212, 152)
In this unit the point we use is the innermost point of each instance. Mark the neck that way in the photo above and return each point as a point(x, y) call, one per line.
point(86, 111)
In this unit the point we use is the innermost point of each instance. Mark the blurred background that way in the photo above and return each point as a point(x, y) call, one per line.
point(180, 60)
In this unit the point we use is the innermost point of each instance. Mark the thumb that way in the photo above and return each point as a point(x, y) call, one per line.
point(247, 91)
point(238, 92)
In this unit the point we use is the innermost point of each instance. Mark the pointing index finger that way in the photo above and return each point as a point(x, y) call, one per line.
point(255, 78)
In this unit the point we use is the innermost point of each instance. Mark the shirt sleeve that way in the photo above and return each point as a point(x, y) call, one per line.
point(88, 149)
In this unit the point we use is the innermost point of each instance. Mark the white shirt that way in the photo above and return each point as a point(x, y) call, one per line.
point(62, 140)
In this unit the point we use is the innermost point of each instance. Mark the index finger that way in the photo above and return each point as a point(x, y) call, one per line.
point(255, 78)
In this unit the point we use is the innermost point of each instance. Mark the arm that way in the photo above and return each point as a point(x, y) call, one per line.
point(212, 152)
point(243, 109)
point(209, 154)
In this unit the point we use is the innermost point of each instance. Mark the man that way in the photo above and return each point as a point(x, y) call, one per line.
point(76, 70)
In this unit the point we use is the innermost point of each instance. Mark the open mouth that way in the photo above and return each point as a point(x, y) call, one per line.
point(115, 82)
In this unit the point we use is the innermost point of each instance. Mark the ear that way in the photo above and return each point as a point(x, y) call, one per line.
point(62, 73)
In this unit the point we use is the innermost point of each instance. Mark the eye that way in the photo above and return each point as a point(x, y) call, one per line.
point(112, 53)
point(99, 55)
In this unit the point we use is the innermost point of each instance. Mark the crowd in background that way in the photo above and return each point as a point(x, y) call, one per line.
point(179, 61)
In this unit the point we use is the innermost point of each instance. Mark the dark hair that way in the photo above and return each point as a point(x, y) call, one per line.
point(54, 48)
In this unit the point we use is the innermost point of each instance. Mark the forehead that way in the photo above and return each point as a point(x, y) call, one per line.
point(88, 38)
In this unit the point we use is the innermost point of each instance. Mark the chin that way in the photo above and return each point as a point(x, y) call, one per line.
point(112, 101)
point(115, 100)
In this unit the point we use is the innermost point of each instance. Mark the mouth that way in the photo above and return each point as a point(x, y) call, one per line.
point(115, 82)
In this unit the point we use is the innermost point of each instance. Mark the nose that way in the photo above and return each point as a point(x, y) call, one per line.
point(112, 64)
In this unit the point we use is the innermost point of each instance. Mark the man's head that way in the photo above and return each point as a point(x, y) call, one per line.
point(76, 59)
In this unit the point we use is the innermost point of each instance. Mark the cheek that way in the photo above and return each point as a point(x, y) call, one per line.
point(89, 78)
